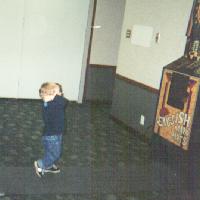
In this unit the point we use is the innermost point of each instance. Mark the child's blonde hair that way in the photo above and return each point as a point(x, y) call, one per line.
point(50, 88)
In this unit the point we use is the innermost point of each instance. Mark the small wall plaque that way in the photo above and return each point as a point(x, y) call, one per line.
point(142, 35)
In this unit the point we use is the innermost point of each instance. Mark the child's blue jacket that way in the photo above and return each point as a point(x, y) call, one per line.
point(54, 115)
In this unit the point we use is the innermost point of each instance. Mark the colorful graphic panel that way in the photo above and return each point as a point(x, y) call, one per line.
point(176, 106)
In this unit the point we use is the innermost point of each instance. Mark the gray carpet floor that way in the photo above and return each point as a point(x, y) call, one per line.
point(101, 160)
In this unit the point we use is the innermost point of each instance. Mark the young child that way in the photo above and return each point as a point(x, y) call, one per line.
point(53, 110)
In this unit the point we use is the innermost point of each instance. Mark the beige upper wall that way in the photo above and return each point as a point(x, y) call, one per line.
point(170, 19)
point(105, 42)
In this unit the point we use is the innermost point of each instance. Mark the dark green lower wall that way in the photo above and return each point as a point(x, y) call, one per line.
point(99, 83)
point(131, 101)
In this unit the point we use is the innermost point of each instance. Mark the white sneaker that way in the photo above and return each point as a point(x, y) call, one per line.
point(2, 194)
point(38, 170)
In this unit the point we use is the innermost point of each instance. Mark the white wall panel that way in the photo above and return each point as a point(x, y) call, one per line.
point(11, 21)
point(53, 44)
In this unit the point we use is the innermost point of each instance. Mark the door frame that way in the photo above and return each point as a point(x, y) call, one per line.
point(87, 50)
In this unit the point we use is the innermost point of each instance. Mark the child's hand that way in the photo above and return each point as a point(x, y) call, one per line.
point(57, 91)
point(47, 98)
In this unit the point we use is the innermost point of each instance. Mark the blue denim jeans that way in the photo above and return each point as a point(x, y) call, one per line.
point(52, 151)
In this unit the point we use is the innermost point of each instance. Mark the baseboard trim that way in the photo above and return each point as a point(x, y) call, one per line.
point(135, 83)
point(103, 66)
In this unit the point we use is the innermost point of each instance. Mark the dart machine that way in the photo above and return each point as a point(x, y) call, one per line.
point(178, 109)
